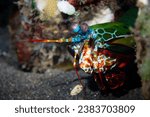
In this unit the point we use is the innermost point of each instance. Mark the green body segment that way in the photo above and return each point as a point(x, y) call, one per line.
point(117, 35)
point(109, 31)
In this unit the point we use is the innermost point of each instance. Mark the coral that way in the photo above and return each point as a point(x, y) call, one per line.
point(47, 8)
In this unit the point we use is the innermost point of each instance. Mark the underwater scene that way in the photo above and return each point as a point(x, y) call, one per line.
point(74, 50)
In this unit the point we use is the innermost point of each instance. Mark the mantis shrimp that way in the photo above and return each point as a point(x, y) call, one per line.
point(103, 50)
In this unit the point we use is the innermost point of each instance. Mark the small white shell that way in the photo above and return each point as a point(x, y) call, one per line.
point(76, 90)
point(66, 7)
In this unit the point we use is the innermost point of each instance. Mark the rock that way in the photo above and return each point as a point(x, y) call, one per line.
point(146, 89)
point(105, 15)
point(142, 36)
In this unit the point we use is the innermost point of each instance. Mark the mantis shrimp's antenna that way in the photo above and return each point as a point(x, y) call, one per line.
point(46, 40)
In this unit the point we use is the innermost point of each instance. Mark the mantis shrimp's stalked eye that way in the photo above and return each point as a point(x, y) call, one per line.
point(84, 27)
point(75, 27)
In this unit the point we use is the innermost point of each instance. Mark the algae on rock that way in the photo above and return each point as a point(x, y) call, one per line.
point(143, 49)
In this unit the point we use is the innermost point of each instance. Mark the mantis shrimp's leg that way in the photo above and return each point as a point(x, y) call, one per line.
point(101, 82)
point(75, 60)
